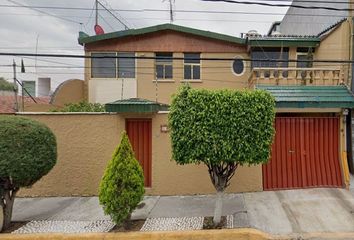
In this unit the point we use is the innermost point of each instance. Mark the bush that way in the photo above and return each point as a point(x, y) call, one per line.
point(222, 129)
point(122, 186)
point(82, 106)
point(27, 152)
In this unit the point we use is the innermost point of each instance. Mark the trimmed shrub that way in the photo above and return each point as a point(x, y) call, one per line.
point(222, 129)
point(27, 152)
point(122, 186)
point(82, 106)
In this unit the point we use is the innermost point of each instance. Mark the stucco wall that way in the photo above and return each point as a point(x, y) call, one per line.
point(70, 91)
point(87, 141)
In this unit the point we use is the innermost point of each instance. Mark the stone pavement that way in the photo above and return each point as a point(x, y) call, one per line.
point(275, 212)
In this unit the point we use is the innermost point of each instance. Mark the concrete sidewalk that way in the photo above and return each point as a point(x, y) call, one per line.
point(279, 212)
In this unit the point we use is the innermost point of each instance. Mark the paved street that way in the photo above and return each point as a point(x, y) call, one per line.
point(276, 212)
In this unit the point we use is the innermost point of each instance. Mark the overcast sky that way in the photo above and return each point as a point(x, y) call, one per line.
point(22, 28)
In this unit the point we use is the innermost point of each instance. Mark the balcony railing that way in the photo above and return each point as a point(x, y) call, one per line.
point(296, 76)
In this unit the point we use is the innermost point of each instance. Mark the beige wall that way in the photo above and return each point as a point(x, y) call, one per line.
point(87, 141)
point(336, 46)
point(214, 74)
point(70, 91)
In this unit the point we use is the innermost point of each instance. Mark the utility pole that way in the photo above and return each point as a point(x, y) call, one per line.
point(15, 86)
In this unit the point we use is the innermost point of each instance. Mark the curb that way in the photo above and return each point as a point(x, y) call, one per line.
point(226, 234)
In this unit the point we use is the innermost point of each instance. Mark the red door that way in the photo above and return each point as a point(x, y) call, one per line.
point(139, 133)
point(305, 153)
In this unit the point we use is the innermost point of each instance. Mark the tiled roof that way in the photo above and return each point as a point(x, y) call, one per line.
point(311, 96)
point(7, 103)
point(331, 27)
point(135, 105)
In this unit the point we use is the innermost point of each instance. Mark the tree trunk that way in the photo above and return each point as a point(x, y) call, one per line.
point(7, 207)
point(218, 207)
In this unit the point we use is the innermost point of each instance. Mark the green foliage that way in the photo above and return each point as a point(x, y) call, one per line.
point(224, 126)
point(82, 106)
point(27, 150)
point(122, 186)
point(5, 85)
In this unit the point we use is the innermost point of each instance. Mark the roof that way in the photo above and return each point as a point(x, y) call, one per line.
point(7, 103)
point(84, 38)
point(311, 96)
point(135, 105)
point(334, 26)
point(284, 41)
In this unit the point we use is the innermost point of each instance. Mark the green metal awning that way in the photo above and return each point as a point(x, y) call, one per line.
point(135, 105)
point(311, 96)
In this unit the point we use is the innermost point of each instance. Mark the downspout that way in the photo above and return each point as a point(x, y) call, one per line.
point(349, 116)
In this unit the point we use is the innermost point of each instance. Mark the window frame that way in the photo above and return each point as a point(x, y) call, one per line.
point(191, 66)
point(117, 66)
point(244, 66)
point(163, 64)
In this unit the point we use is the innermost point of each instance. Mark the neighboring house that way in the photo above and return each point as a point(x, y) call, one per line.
point(311, 98)
point(300, 21)
point(7, 104)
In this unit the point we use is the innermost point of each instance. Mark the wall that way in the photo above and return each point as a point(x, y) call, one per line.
point(335, 46)
point(214, 74)
point(87, 141)
point(70, 91)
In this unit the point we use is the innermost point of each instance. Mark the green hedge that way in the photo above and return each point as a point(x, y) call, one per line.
point(221, 126)
point(27, 150)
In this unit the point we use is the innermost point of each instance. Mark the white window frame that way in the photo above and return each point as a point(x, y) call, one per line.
point(244, 66)
point(164, 64)
point(191, 65)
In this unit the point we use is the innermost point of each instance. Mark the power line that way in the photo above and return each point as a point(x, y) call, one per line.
point(43, 12)
point(281, 5)
point(173, 58)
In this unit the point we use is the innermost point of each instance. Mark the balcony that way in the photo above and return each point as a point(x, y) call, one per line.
point(296, 76)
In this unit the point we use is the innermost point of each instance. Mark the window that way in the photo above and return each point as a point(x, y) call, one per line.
point(103, 67)
point(238, 66)
point(163, 64)
point(126, 65)
point(192, 66)
point(273, 54)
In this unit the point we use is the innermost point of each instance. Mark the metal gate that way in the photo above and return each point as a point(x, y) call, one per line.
point(305, 153)
point(139, 133)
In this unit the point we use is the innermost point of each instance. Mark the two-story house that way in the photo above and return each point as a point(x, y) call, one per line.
point(312, 96)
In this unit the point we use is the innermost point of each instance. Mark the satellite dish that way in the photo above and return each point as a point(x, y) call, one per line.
point(98, 30)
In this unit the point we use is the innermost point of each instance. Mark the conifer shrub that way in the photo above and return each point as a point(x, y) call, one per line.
point(122, 185)
point(28, 151)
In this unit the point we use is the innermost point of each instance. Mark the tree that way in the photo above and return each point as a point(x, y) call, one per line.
point(222, 129)
point(122, 186)
point(82, 106)
point(5, 85)
point(27, 152)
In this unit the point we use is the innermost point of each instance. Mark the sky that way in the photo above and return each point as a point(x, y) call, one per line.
point(42, 30)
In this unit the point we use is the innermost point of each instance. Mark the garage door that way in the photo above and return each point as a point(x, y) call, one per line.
point(304, 154)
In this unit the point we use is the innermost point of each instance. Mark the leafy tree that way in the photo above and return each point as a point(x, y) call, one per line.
point(5, 85)
point(122, 186)
point(82, 106)
point(27, 152)
point(222, 129)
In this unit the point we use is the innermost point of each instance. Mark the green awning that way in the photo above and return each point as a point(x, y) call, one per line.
point(311, 96)
point(135, 105)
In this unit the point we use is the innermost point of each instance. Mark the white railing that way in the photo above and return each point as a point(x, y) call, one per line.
point(296, 76)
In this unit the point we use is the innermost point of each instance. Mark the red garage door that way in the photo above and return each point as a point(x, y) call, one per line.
point(305, 153)
point(139, 133)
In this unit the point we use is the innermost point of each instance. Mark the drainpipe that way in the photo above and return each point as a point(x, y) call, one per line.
point(349, 116)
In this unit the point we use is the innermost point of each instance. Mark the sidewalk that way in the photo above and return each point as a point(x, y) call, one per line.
point(279, 212)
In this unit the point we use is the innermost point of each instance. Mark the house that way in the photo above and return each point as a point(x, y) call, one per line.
point(312, 97)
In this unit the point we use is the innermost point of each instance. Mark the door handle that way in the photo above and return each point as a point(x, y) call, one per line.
point(291, 151)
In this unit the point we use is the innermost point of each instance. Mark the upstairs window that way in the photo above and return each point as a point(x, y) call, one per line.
point(103, 67)
point(163, 65)
point(126, 65)
point(192, 66)
point(270, 53)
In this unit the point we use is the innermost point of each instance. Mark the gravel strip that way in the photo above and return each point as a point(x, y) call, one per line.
point(173, 224)
point(66, 227)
